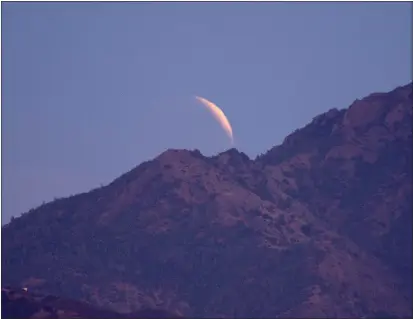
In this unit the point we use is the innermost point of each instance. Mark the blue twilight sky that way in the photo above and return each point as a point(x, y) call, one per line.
point(90, 90)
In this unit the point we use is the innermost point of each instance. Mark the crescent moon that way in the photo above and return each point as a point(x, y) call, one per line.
point(219, 115)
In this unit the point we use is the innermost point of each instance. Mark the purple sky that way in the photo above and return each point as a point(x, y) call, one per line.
point(90, 90)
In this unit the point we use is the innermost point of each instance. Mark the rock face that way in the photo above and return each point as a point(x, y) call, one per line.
point(320, 226)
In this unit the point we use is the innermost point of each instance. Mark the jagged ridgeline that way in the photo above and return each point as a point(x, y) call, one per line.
point(319, 226)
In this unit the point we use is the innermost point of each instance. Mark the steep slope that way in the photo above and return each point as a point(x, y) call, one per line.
point(353, 169)
point(318, 226)
point(171, 231)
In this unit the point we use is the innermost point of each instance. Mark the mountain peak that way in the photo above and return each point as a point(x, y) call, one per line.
point(179, 155)
point(232, 157)
point(319, 226)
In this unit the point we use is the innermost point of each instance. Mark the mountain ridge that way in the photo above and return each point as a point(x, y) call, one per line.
point(317, 226)
point(20, 303)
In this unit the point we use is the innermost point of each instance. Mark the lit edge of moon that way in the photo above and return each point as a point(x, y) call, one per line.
point(219, 115)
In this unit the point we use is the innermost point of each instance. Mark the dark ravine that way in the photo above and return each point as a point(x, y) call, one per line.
point(320, 226)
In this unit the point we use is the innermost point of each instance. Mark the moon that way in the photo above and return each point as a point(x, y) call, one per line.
point(219, 115)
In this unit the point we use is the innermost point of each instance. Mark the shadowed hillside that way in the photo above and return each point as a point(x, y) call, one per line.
point(319, 226)
point(18, 303)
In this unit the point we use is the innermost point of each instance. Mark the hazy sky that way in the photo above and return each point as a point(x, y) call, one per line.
point(90, 90)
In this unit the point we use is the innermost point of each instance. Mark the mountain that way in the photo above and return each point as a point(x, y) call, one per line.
point(319, 226)
point(19, 303)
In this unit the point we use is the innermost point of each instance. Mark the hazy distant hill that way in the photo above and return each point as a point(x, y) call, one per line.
point(318, 226)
